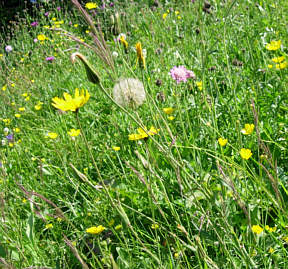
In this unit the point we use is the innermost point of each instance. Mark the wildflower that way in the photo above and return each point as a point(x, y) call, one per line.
point(46, 14)
point(4, 88)
point(273, 45)
point(164, 16)
point(257, 229)
point(6, 130)
point(69, 103)
point(168, 110)
point(116, 148)
point(52, 135)
point(21, 108)
point(8, 48)
point(248, 129)
point(129, 92)
point(41, 37)
point(180, 73)
point(16, 130)
point(199, 85)
point(74, 132)
point(115, 54)
point(9, 137)
point(245, 153)
point(58, 8)
point(142, 134)
point(17, 115)
point(6, 121)
point(50, 59)
point(38, 106)
point(281, 65)
point(222, 142)
point(278, 59)
point(49, 226)
point(171, 118)
point(124, 42)
point(140, 55)
point(95, 230)
point(271, 250)
point(270, 229)
point(154, 226)
point(34, 23)
point(91, 5)
point(24, 201)
point(285, 238)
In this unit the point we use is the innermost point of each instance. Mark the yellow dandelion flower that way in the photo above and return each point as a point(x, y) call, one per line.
point(171, 118)
point(49, 226)
point(41, 37)
point(273, 45)
point(116, 148)
point(281, 65)
point(248, 129)
point(95, 230)
point(168, 110)
point(245, 153)
point(74, 132)
point(222, 142)
point(164, 16)
point(52, 135)
point(17, 115)
point(4, 88)
point(278, 59)
point(69, 103)
point(91, 5)
point(21, 108)
point(257, 229)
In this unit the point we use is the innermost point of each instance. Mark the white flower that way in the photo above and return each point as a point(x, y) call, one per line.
point(129, 92)
point(115, 54)
point(3, 142)
point(8, 48)
point(6, 130)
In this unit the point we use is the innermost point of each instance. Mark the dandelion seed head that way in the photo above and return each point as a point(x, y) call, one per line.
point(129, 92)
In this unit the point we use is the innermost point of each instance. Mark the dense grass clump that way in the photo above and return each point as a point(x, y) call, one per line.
point(190, 172)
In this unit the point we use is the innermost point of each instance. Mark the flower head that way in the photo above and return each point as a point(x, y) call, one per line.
point(129, 92)
point(8, 48)
point(124, 42)
point(41, 37)
point(245, 153)
point(222, 142)
point(273, 45)
point(248, 129)
point(52, 135)
point(116, 148)
point(180, 73)
point(140, 55)
point(95, 230)
point(91, 5)
point(168, 110)
point(34, 23)
point(69, 103)
point(143, 134)
point(50, 59)
point(257, 229)
point(74, 132)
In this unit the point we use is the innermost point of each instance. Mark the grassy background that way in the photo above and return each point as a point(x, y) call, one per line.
point(203, 197)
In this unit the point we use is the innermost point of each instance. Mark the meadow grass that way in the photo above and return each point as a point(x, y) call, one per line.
point(178, 198)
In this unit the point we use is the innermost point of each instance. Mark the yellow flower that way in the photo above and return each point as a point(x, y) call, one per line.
point(16, 130)
point(271, 250)
point(69, 103)
point(75, 25)
point(95, 230)
point(273, 45)
point(245, 153)
point(281, 65)
point(38, 106)
point(124, 42)
point(17, 115)
point(140, 56)
point(41, 37)
point(74, 132)
point(4, 88)
point(171, 118)
point(6, 121)
point(58, 22)
point(142, 134)
point(270, 229)
point(11, 145)
point(270, 66)
point(164, 16)
point(24, 201)
point(168, 110)
point(49, 226)
point(52, 135)
point(91, 5)
point(278, 59)
point(222, 142)
point(118, 227)
point(116, 148)
point(248, 129)
point(27, 98)
point(199, 85)
point(154, 226)
point(21, 108)
point(257, 229)
point(285, 238)
point(177, 12)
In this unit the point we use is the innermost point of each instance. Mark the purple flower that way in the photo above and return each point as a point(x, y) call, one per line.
point(9, 137)
point(46, 14)
point(34, 23)
point(50, 59)
point(58, 8)
point(35, 40)
point(180, 73)
point(8, 48)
